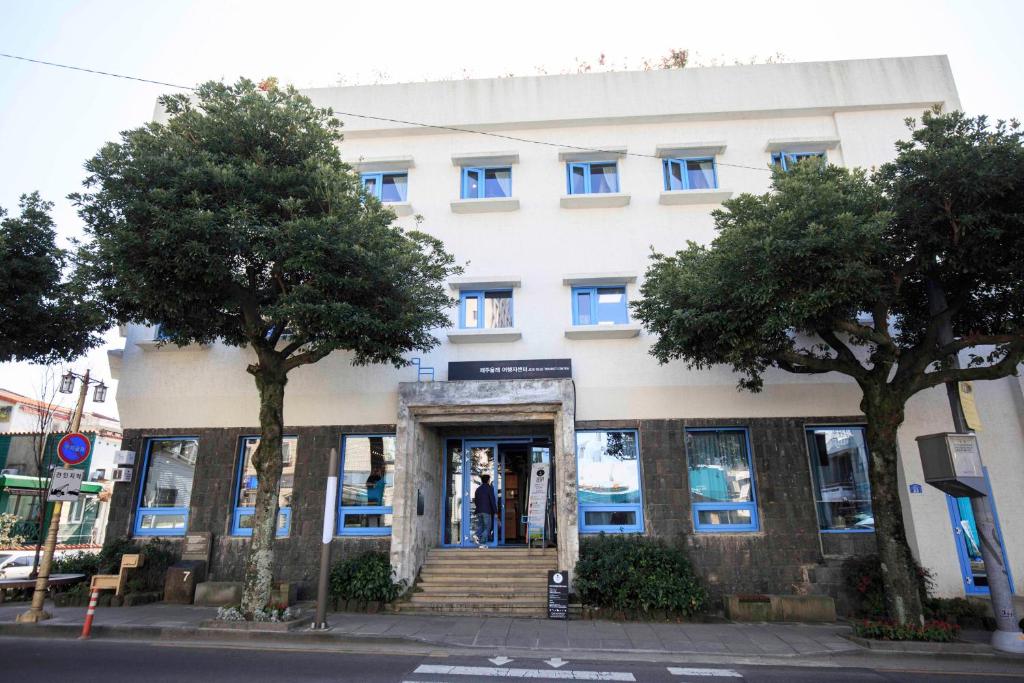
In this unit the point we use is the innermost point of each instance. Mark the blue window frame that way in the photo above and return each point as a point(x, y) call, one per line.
point(366, 484)
point(600, 305)
point(721, 475)
point(486, 182)
point(165, 489)
point(592, 177)
point(972, 566)
point(485, 309)
point(691, 174)
point(787, 159)
point(387, 187)
point(839, 477)
point(160, 334)
point(608, 481)
point(245, 487)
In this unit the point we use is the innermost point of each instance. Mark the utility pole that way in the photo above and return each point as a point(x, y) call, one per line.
point(1007, 636)
point(36, 612)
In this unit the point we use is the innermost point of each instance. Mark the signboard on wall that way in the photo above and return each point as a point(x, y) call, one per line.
point(545, 368)
point(537, 502)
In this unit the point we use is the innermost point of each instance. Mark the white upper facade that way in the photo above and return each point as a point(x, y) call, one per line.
point(541, 242)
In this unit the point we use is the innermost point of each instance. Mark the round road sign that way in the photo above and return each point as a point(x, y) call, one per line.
point(74, 448)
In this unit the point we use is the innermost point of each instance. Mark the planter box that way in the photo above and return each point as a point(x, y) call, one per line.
point(801, 608)
point(272, 626)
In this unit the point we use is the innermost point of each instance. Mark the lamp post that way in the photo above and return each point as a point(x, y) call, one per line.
point(1007, 637)
point(67, 385)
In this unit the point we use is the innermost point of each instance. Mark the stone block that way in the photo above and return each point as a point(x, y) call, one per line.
point(798, 608)
point(218, 593)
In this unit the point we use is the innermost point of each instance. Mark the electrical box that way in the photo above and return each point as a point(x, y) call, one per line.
point(952, 463)
point(123, 474)
point(124, 458)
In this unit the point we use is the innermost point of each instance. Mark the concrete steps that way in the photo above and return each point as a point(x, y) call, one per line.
point(506, 581)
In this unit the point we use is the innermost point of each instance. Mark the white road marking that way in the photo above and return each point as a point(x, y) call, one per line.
point(725, 673)
point(498, 661)
point(560, 674)
point(556, 662)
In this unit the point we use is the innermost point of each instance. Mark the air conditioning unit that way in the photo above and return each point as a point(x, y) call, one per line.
point(123, 474)
point(124, 457)
point(11, 470)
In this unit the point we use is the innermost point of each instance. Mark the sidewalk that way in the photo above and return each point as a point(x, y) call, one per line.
point(755, 643)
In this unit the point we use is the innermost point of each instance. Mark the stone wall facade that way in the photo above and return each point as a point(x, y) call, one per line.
point(786, 555)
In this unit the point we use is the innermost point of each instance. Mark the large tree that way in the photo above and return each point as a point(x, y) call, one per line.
point(835, 270)
point(45, 314)
point(236, 221)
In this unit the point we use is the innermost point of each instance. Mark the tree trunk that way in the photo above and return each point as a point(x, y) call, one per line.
point(900, 577)
point(267, 460)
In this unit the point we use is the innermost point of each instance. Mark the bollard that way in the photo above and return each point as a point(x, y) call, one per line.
point(87, 626)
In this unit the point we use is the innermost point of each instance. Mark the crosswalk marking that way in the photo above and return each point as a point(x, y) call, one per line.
point(556, 674)
point(724, 673)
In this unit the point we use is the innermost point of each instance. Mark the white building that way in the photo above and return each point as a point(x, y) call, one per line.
point(553, 190)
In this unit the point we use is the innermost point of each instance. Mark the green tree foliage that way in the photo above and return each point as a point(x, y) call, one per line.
point(236, 221)
point(45, 314)
point(838, 271)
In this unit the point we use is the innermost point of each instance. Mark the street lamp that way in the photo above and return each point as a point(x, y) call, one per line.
point(36, 612)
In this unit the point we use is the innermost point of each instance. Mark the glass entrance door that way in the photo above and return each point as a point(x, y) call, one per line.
point(464, 468)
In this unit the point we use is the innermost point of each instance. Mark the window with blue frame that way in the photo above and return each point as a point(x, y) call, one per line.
point(245, 490)
point(592, 177)
point(608, 475)
point(721, 476)
point(789, 159)
point(690, 174)
point(486, 183)
point(387, 187)
point(367, 484)
point(166, 489)
point(161, 334)
point(485, 309)
point(599, 305)
point(839, 472)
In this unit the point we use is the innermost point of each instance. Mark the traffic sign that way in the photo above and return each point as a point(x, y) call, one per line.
point(74, 448)
point(65, 485)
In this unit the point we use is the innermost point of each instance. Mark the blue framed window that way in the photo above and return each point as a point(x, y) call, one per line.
point(691, 174)
point(721, 476)
point(367, 484)
point(839, 477)
point(387, 187)
point(788, 159)
point(166, 488)
point(592, 177)
point(160, 334)
point(599, 305)
point(608, 481)
point(484, 183)
point(245, 488)
point(485, 309)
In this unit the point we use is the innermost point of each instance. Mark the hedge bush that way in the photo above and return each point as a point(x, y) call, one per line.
point(863, 575)
point(634, 573)
point(931, 631)
point(368, 577)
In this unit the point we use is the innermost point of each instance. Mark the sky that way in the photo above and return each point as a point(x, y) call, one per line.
point(52, 120)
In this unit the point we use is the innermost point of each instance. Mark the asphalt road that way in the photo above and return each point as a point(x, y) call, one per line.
point(24, 660)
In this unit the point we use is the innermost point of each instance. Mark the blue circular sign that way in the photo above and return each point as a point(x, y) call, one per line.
point(74, 448)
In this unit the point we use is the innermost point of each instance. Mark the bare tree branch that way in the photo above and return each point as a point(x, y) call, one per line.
point(1014, 354)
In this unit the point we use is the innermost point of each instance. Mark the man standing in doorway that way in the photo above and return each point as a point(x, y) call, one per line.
point(486, 505)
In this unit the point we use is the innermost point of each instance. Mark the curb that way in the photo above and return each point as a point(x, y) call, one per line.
point(940, 650)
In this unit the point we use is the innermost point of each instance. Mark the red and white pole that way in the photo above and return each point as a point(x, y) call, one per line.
point(89, 613)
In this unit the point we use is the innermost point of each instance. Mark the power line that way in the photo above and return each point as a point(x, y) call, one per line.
point(384, 118)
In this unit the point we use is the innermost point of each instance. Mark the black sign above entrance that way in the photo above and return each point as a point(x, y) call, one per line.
point(545, 368)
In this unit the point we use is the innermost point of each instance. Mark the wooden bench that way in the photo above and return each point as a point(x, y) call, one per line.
point(117, 582)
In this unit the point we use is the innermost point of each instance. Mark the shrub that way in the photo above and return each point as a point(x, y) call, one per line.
point(637, 573)
point(368, 577)
point(157, 556)
point(111, 552)
point(931, 631)
point(77, 563)
point(863, 576)
point(959, 611)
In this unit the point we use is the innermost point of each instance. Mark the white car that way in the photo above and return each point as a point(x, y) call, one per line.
point(16, 566)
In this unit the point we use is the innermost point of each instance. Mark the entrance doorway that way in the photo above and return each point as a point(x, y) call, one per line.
point(507, 462)
point(968, 549)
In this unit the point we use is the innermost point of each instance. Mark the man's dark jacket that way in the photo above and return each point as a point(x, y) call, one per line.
point(484, 499)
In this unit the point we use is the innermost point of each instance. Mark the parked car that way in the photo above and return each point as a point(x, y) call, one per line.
point(16, 566)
